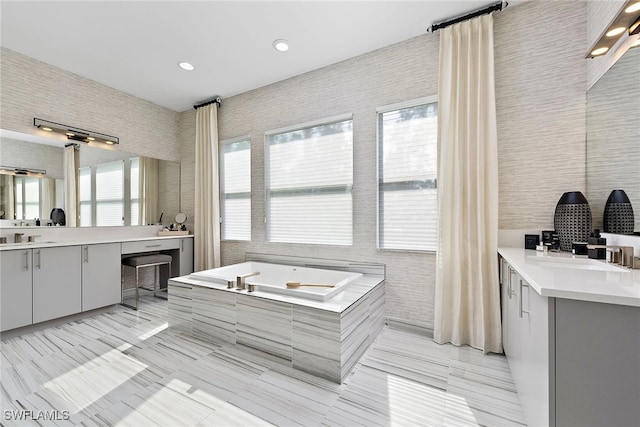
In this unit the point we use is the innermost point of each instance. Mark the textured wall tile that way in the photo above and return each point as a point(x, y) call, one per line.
point(30, 88)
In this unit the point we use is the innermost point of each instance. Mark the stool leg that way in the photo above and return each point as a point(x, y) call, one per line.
point(137, 288)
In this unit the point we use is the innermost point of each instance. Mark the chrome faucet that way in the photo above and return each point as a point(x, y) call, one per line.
point(17, 237)
point(622, 255)
point(241, 280)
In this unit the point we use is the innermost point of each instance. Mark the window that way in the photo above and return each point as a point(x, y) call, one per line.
point(235, 189)
point(309, 175)
point(110, 194)
point(27, 194)
point(134, 183)
point(101, 190)
point(407, 176)
point(86, 207)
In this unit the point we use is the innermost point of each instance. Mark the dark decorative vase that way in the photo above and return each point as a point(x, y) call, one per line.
point(572, 219)
point(618, 214)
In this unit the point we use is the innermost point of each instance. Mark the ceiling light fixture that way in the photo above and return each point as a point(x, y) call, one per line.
point(633, 8)
point(615, 32)
point(281, 45)
point(11, 170)
point(186, 66)
point(75, 134)
point(626, 22)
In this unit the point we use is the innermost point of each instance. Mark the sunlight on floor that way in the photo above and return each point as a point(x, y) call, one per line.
point(153, 332)
point(93, 380)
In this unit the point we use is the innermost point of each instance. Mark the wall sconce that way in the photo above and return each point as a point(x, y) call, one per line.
point(627, 21)
point(75, 134)
point(11, 170)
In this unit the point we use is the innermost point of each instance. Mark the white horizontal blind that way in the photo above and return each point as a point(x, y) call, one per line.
point(407, 178)
point(27, 197)
point(84, 184)
point(309, 175)
point(235, 189)
point(110, 194)
point(134, 183)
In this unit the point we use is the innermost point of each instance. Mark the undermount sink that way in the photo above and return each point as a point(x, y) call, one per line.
point(577, 263)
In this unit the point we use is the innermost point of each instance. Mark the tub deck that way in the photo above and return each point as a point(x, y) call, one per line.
point(324, 338)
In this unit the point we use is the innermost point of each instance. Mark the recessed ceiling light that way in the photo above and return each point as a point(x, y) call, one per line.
point(186, 66)
point(633, 8)
point(281, 45)
point(616, 31)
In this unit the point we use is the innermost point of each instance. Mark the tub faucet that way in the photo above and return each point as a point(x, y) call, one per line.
point(240, 280)
point(622, 255)
point(17, 237)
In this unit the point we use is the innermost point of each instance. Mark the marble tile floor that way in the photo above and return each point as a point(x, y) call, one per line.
point(127, 368)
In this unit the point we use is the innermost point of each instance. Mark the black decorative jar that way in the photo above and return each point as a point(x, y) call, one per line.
point(618, 214)
point(572, 219)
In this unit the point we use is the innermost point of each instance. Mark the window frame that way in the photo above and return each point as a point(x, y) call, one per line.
point(381, 110)
point(334, 190)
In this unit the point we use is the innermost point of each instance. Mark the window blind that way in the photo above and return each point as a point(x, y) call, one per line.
point(407, 178)
point(84, 184)
point(309, 176)
point(235, 189)
point(110, 194)
point(134, 183)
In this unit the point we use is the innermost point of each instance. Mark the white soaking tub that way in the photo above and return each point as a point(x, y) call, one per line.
point(274, 277)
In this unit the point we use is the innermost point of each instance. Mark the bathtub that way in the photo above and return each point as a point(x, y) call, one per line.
point(273, 278)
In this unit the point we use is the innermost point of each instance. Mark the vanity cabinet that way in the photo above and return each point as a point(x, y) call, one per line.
point(100, 275)
point(573, 362)
point(16, 291)
point(528, 338)
point(186, 256)
point(57, 287)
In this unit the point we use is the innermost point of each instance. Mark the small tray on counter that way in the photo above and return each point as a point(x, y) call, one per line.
point(173, 233)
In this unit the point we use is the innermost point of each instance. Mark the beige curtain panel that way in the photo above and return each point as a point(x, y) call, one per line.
point(467, 298)
point(71, 165)
point(207, 214)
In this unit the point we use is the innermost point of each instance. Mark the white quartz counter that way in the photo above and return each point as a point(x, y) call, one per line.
point(47, 243)
point(613, 287)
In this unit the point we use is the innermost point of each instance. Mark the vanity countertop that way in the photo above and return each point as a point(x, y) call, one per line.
point(46, 243)
point(612, 287)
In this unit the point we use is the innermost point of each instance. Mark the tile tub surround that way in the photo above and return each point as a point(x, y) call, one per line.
point(322, 338)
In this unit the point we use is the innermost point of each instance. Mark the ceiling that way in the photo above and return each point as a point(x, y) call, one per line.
point(135, 46)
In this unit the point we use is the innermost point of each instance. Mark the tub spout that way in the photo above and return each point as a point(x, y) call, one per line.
point(241, 280)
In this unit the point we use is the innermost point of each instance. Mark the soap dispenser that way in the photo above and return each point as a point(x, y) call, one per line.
point(595, 239)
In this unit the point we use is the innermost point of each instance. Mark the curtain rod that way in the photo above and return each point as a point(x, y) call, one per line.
point(494, 7)
point(217, 100)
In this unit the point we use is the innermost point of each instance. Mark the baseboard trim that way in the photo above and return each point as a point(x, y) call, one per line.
point(405, 325)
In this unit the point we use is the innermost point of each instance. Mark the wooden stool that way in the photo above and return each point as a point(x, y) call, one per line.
point(143, 261)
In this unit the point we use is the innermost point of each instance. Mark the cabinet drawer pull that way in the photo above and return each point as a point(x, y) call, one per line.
point(38, 255)
point(511, 290)
point(86, 254)
point(26, 260)
point(152, 246)
point(522, 285)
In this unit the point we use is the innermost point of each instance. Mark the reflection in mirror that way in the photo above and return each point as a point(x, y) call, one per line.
point(613, 136)
point(25, 197)
point(114, 188)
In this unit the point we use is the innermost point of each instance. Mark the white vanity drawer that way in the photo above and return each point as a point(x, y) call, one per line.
point(150, 245)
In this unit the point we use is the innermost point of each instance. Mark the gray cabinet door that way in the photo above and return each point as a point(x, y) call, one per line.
point(15, 289)
point(100, 275)
point(57, 285)
point(186, 256)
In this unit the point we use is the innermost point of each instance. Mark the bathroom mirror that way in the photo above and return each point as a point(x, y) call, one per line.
point(613, 136)
point(114, 188)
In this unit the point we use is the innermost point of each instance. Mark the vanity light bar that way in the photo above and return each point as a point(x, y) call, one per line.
point(626, 22)
point(12, 170)
point(75, 134)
